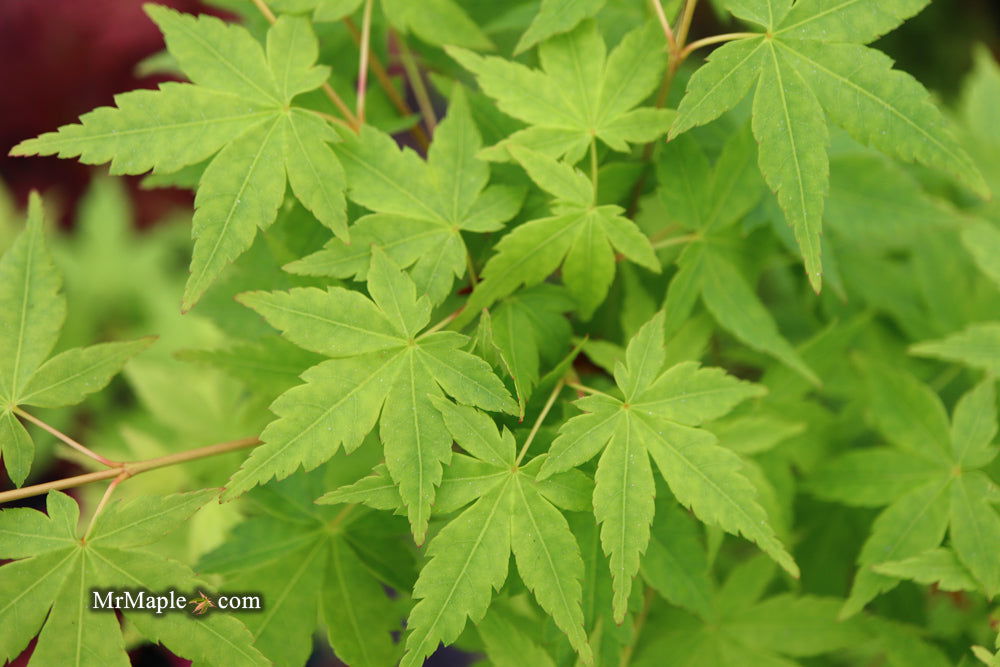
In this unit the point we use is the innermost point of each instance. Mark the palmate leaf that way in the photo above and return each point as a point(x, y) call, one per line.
point(55, 574)
point(382, 370)
point(809, 68)
point(659, 417)
point(238, 109)
point(302, 559)
point(977, 346)
point(420, 208)
point(34, 311)
point(931, 481)
point(709, 200)
point(511, 512)
point(581, 237)
point(579, 94)
point(739, 627)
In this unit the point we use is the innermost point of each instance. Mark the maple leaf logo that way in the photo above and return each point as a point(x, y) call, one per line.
point(201, 603)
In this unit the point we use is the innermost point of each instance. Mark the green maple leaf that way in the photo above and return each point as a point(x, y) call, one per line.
point(511, 512)
point(308, 561)
point(739, 627)
point(420, 207)
point(658, 417)
point(526, 328)
point(811, 65)
point(34, 311)
point(930, 479)
point(708, 201)
point(978, 346)
point(383, 369)
point(579, 94)
point(581, 238)
point(48, 587)
point(238, 109)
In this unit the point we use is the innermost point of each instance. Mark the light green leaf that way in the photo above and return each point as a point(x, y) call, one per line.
point(978, 346)
point(738, 310)
point(217, 55)
point(789, 126)
point(292, 50)
point(34, 309)
point(871, 477)
point(578, 95)
point(437, 22)
point(975, 529)
point(17, 448)
point(938, 567)
point(240, 191)
point(468, 558)
point(767, 13)
point(548, 560)
point(555, 17)
point(145, 519)
point(314, 172)
point(68, 377)
point(914, 523)
point(177, 125)
point(907, 412)
point(982, 240)
point(846, 20)
point(974, 425)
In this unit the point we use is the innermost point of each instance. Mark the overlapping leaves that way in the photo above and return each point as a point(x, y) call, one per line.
point(34, 310)
point(581, 237)
point(811, 65)
point(382, 370)
point(238, 109)
point(930, 479)
point(658, 417)
point(49, 585)
point(512, 511)
point(579, 94)
point(420, 208)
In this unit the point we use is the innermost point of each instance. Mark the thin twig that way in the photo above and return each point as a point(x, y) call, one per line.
point(327, 88)
point(417, 82)
point(122, 476)
point(715, 39)
point(385, 82)
point(664, 23)
point(364, 50)
point(587, 390)
point(133, 468)
point(65, 438)
point(538, 422)
point(266, 11)
point(685, 25)
point(443, 323)
point(674, 240)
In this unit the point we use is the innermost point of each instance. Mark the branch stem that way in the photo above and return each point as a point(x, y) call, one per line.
point(327, 88)
point(417, 82)
point(664, 23)
point(65, 438)
point(586, 390)
point(364, 50)
point(129, 468)
point(385, 83)
point(715, 39)
point(685, 25)
point(122, 476)
point(538, 422)
point(674, 240)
